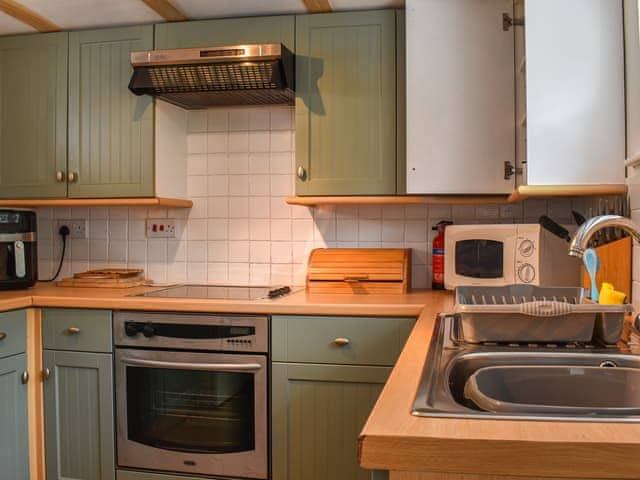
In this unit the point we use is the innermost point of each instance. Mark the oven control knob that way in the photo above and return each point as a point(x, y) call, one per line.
point(526, 248)
point(131, 329)
point(148, 330)
point(526, 273)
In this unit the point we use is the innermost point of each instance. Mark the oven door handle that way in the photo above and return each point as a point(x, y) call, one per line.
point(210, 367)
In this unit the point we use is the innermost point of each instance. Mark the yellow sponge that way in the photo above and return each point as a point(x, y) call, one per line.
point(610, 296)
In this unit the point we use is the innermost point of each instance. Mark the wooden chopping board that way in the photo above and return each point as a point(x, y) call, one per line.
point(615, 266)
point(106, 278)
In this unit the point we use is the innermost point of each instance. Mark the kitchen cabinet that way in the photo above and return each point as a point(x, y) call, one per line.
point(327, 373)
point(632, 56)
point(575, 92)
point(136, 475)
point(33, 115)
point(14, 441)
point(346, 104)
point(78, 400)
point(226, 31)
point(465, 132)
point(317, 414)
point(111, 130)
point(460, 119)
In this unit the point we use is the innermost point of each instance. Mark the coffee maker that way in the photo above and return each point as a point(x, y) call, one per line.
point(18, 249)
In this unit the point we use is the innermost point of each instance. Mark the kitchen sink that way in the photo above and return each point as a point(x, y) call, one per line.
point(568, 382)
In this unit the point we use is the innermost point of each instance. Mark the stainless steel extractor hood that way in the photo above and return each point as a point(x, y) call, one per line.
point(195, 78)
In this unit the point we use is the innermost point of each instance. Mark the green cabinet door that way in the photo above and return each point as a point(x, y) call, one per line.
point(14, 442)
point(346, 103)
point(111, 131)
point(33, 116)
point(226, 31)
point(318, 412)
point(79, 418)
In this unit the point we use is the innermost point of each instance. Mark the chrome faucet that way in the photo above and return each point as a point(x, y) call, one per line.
point(580, 240)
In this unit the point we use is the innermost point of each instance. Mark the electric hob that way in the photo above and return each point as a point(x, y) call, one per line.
point(219, 292)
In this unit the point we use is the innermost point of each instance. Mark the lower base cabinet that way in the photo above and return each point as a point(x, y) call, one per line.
point(318, 412)
point(79, 415)
point(14, 440)
point(133, 475)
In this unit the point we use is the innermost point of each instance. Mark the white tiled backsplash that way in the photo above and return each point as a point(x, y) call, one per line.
point(240, 230)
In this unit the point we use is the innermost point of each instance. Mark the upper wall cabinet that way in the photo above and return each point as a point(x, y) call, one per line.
point(227, 31)
point(632, 54)
point(575, 92)
point(111, 150)
point(460, 91)
point(33, 115)
point(346, 103)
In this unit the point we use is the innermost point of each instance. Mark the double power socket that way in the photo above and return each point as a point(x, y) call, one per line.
point(155, 228)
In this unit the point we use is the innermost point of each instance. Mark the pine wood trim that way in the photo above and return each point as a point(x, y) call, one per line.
point(318, 6)
point(543, 191)
point(28, 16)
point(98, 202)
point(400, 200)
point(167, 10)
point(35, 395)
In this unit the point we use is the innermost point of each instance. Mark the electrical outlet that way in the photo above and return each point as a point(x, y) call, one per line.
point(161, 228)
point(77, 228)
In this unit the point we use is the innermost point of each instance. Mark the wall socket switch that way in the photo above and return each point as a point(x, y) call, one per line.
point(161, 228)
point(77, 228)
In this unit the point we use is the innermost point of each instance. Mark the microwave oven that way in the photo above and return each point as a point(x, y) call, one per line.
point(507, 254)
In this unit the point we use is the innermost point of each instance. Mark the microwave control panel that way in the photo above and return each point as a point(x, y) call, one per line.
point(526, 260)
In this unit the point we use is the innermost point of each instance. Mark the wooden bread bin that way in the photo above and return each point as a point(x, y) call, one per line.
point(359, 270)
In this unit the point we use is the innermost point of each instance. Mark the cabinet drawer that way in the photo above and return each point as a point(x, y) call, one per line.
point(13, 333)
point(339, 340)
point(79, 330)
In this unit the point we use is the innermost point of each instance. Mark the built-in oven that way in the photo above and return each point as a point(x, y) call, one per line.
point(191, 393)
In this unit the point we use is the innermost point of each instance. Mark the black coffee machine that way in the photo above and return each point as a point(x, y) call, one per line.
point(18, 249)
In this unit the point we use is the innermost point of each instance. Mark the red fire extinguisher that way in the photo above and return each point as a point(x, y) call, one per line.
point(437, 260)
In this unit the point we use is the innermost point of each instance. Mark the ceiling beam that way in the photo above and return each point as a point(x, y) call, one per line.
point(28, 16)
point(166, 10)
point(318, 6)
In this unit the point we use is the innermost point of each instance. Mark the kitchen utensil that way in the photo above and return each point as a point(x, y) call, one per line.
point(615, 265)
point(578, 217)
point(554, 227)
point(527, 313)
point(592, 264)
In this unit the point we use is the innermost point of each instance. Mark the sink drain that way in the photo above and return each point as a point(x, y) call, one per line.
point(608, 364)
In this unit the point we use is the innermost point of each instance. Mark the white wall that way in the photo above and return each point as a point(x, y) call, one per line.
point(240, 230)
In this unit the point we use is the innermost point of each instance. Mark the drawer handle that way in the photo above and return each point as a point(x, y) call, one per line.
point(356, 279)
point(73, 330)
point(3, 335)
point(342, 342)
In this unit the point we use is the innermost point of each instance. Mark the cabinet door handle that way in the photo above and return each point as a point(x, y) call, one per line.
point(46, 373)
point(3, 335)
point(72, 177)
point(301, 172)
point(73, 330)
point(59, 176)
point(24, 378)
point(342, 342)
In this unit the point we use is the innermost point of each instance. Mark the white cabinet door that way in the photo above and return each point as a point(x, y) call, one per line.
point(575, 92)
point(632, 54)
point(460, 96)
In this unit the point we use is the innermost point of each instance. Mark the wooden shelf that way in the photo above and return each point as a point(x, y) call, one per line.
point(400, 200)
point(545, 191)
point(97, 202)
point(520, 194)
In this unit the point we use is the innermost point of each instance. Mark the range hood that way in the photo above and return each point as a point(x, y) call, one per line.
point(196, 78)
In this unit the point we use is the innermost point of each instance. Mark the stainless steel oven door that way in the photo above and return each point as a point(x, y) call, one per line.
point(203, 413)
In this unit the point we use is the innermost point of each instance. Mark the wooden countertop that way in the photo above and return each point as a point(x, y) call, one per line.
point(393, 439)
point(298, 303)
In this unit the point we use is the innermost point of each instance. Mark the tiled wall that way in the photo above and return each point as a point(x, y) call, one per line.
point(240, 229)
point(634, 197)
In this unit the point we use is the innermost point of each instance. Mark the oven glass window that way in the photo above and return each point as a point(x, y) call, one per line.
point(191, 411)
point(479, 258)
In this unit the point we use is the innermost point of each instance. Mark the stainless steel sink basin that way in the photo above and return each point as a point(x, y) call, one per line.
point(451, 363)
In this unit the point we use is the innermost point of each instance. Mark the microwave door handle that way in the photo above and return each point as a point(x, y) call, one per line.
point(210, 367)
point(18, 255)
